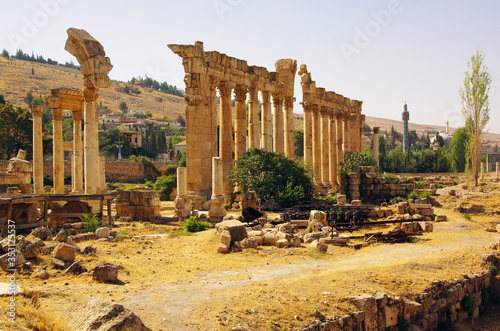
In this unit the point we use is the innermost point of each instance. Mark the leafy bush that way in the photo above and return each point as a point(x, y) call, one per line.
point(419, 185)
point(467, 216)
point(412, 195)
point(493, 270)
point(425, 195)
point(387, 175)
point(171, 169)
point(485, 297)
point(332, 200)
point(164, 185)
point(404, 180)
point(90, 224)
point(273, 176)
point(403, 324)
point(352, 160)
point(469, 304)
point(193, 224)
point(148, 183)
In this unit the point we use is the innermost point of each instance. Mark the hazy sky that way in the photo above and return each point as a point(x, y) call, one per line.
point(381, 52)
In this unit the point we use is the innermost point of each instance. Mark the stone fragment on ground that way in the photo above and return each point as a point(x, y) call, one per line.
point(106, 273)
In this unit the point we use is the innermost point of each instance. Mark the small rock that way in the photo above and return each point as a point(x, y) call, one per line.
point(76, 268)
point(223, 248)
point(58, 264)
point(42, 274)
point(316, 244)
point(64, 252)
point(43, 233)
point(105, 273)
point(441, 218)
point(103, 232)
point(62, 236)
point(89, 250)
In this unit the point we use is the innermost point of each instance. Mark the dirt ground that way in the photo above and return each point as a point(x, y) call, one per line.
point(177, 282)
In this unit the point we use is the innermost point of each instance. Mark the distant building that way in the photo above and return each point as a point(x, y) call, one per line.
point(491, 161)
point(406, 118)
point(179, 148)
point(134, 137)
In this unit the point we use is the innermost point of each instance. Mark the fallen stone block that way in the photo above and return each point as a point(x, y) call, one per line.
point(103, 232)
point(236, 228)
point(105, 273)
point(316, 244)
point(81, 237)
point(64, 252)
point(222, 248)
point(14, 260)
point(99, 314)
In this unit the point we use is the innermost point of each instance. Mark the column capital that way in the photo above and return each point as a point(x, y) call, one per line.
point(36, 111)
point(289, 101)
point(307, 106)
point(90, 94)
point(57, 114)
point(225, 89)
point(278, 98)
point(315, 109)
point(193, 100)
point(241, 93)
point(375, 130)
point(77, 115)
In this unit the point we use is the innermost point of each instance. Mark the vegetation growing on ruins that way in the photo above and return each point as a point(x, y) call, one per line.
point(15, 130)
point(273, 176)
point(476, 110)
point(193, 224)
point(90, 224)
point(352, 160)
point(164, 185)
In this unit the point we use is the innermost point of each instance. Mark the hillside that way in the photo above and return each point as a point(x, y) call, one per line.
point(16, 81)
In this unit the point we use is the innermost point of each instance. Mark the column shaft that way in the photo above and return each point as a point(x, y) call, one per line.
point(308, 148)
point(332, 150)
point(226, 136)
point(345, 131)
point(316, 144)
point(37, 149)
point(340, 153)
point(375, 145)
point(267, 126)
point(77, 175)
point(253, 125)
point(278, 141)
point(240, 121)
point(325, 169)
point(289, 141)
point(91, 145)
point(58, 157)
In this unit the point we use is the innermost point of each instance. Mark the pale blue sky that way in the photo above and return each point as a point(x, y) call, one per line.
point(413, 51)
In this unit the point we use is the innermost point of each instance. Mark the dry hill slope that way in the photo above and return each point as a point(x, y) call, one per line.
point(16, 81)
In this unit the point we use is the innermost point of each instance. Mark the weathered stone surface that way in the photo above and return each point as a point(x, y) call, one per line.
point(441, 218)
point(62, 236)
point(310, 237)
point(42, 233)
point(105, 273)
point(64, 252)
point(225, 238)
point(428, 227)
point(316, 244)
point(76, 268)
point(58, 264)
point(42, 274)
point(18, 257)
point(29, 249)
point(103, 232)
point(78, 238)
point(236, 228)
point(47, 249)
point(222, 248)
point(281, 243)
point(368, 305)
point(96, 314)
point(89, 250)
point(342, 199)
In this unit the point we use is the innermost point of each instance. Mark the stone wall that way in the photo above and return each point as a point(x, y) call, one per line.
point(124, 171)
point(442, 303)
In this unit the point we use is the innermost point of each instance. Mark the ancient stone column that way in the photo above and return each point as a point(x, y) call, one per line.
point(58, 148)
point(316, 144)
point(77, 174)
point(332, 149)
point(181, 181)
point(482, 170)
point(278, 141)
point(340, 152)
point(375, 144)
point(182, 203)
point(325, 148)
point(102, 172)
point(345, 131)
point(289, 140)
point(217, 202)
point(37, 149)
point(498, 169)
point(226, 136)
point(308, 149)
point(97, 157)
point(91, 145)
point(254, 124)
point(240, 121)
point(267, 126)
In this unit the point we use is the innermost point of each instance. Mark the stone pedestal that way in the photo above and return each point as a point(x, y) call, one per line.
point(182, 204)
point(58, 150)
point(37, 149)
point(217, 202)
point(267, 122)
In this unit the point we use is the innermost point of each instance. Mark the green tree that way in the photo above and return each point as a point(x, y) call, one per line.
point(352, 160)
point(2, 100)
point(149, 114)
point(5, 53)
point(110, 140)
point(16, 131)
point(123, 107)
point(298, 137)
point(476, 108)
point(273, 176)
point(181, 120)
point(164, 185)
point(458, 150)
point(442, 163)
point(365, 127)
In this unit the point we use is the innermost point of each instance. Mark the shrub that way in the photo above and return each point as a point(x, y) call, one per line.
point(387, 175)
point(484, 296)
point(164, 185)
point(171, 169)
point(404, 180)
point(90, 224)
point(352, 160)
point(193, 224)
point(425, 195)
point(403, 324)
point(467, 216)
point(493, 270)
point(332, 200)
point(148, 183)
point(469, 304)
point(419, 185)
point(412, 195)
point(273, 176)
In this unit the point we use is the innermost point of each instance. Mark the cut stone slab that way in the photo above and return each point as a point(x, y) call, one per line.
point(105, 273)
point(236, 228)
point(99, 314)
point(64, 252)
